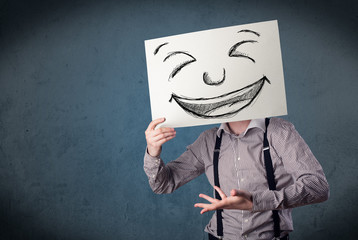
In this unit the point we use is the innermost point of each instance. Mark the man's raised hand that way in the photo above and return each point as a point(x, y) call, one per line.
point(238, 199)
point(157, 137)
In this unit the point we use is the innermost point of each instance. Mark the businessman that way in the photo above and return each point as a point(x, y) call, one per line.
point(244, 192)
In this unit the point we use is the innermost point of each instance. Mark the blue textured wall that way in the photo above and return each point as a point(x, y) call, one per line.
point(74, 105)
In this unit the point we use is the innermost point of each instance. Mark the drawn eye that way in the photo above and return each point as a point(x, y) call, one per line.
point(233, 52)
point(185, 59)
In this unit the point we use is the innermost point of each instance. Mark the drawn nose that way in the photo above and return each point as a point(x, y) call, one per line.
point(207, 79)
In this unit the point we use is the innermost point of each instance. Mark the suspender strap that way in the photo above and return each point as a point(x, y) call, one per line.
point(271, 179)
point(219, 219)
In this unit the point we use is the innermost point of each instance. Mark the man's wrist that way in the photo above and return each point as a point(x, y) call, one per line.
point(153, 152)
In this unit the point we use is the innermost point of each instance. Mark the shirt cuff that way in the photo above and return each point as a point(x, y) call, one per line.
point(263, 201)
point(152, 165)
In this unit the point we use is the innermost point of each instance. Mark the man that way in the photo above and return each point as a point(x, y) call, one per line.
point(247, 211)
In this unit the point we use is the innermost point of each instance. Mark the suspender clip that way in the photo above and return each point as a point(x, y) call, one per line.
point(266, 148)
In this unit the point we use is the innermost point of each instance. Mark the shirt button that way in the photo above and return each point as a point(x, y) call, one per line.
point(242, 179)
point(246, 220)
point(153, 176)
point(238, 159)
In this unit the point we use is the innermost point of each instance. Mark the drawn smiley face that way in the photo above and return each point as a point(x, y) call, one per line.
point(224, 105)
point(217, 75)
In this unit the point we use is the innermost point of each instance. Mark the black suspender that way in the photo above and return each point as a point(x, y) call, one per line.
point(270, 180)
point(219, 219)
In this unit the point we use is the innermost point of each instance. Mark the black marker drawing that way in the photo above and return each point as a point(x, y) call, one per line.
point(179, 67)
point(222, 106)
point(233, 52)
point(250, 31)
point(157, 49)
point(210, 82)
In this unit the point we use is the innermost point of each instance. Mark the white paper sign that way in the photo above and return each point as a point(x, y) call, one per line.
point(219, 75)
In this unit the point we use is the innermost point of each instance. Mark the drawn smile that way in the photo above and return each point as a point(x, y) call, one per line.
point(222, 106)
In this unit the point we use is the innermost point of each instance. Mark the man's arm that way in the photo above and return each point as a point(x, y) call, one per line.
point(166, 178)
point(310, 184)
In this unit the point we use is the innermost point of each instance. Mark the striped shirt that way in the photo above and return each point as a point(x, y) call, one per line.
point(299, 176)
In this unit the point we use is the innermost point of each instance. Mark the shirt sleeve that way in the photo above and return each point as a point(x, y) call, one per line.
point(309, 182)
point(165, 178)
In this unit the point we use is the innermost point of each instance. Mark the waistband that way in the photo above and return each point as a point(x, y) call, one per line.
point(211, 237)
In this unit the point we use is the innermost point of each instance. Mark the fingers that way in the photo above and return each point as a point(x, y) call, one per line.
point(205, 210)
point(206, 197)
point(219, 204)
point(160, 131)
point(164, 140)
point(157, 137)
point(215, 203)
point(151, 132)
point(221, 193)
point(154, 123)
point(205, 207)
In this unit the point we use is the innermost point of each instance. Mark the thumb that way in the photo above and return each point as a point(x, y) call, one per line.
point(235, 192)
point(239, 193)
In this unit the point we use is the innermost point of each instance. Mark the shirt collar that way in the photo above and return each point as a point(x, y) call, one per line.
point(254, 123)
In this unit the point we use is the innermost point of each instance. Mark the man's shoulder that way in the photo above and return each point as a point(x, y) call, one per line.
point(280, 130)
point(280, 124)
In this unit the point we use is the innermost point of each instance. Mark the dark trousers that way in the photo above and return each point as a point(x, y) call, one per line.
point(211, 237)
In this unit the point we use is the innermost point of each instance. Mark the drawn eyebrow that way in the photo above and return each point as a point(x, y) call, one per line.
point(175, 53)
point(249, 31)
point(181, 65)
point(157, 49)
point(233, 49)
